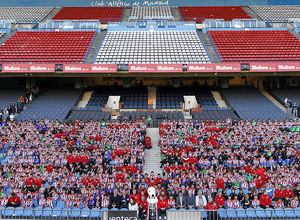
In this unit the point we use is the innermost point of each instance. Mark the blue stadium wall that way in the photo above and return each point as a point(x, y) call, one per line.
point(130, 3)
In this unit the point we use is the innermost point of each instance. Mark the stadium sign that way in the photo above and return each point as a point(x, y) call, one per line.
point(15, 68)
point(201, 67)
point(122, 215)
point(76, 68)
point(288, 67)
point(263, 67)
point(169, 68)
point(103, 68)
point(228, 67)
point(142, 68)
point(41, 68)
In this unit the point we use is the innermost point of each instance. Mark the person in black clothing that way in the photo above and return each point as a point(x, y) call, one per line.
point(114, 200)
point(124, 200)
point(241, 196)
point(246, 203)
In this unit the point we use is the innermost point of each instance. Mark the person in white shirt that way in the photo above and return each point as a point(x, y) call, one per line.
point(200, 201)
point(132, 204)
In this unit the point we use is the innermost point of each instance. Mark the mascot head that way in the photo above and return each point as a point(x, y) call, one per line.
point(151, 192)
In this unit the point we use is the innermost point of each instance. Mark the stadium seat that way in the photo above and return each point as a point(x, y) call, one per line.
point(251, 213)
point(47, 212)
point(289, 213)
point(18, 211)
point(8, 211)
point(85, 212)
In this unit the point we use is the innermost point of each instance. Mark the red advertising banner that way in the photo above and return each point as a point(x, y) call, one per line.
point(76, 68)
point(204, 67)
point(228, 67)
point(103, 68)
point(143, 68)
point(41, 68)
point(263, 67)
point(15, 68)
point(288, 67)
point(168, 68)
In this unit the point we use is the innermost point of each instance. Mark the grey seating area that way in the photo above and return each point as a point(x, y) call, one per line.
point(151, 13)
point(292, 93)
point(87, 115)
point(7, 95)
point(54, 104)
point(250, 103)
point(215, 115)
point(152, 47)
point(157, 116)
point(276, 13)
point(24, 14)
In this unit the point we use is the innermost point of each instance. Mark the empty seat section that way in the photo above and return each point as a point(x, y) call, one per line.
point(103, 14)
point(292, 93)
point(256, 46)
point(151, 13)
point(250, 103)
point(215, 115)
point(87, 115)
point(46, 47)
point(276, 13)
point(24, 14)
point(201, 13)
point(168, 97)
point(7, 95)
point(54, 104)
point(152, 47)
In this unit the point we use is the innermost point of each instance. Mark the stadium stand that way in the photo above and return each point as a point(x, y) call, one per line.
point(145, 47)
point(215, 115)
point(7, 95)
point(168, 97)
point(24, 14)
point(103, 14)
point(251, 104)
point(198, 14)
point(87, 115)
point(151, 13)
point(47, 47)
point(277, 13)
point(256, 46)
point(292, 93)
point(53, 104)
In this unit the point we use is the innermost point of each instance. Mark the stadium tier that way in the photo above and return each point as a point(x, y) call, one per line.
point(151, 13)
point(24, 14)
point(102, 14)
point(291, 93)
point(46, 47)
point(215, 115)
point(277, 13)
point(53, 104)
point(198, 14)
point(145, 47)
point(89, 115)
point(250, 103)
point(256, 46)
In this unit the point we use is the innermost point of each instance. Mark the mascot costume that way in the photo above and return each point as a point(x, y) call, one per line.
point(152, 201)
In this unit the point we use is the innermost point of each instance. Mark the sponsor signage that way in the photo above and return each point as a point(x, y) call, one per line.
point(143, 68)
point(168, 68)
point(76, 68)
point(15, 68)
point(122, 215)
point(263, 67)
point(228, 67)
point(103, 68)
point(288, 67)
point(201, 67)
point(41, 68)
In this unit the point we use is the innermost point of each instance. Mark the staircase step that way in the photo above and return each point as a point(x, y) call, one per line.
point(176, 14)
point(210, 47)
point(51, 14)
point(94, 48)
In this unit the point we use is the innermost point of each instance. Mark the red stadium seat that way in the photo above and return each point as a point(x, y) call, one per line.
point(227, 13)
point(256, 46)
point(103, 14)
point(46, 47)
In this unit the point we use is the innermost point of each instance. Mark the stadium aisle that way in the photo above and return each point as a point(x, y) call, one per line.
point(152, 157)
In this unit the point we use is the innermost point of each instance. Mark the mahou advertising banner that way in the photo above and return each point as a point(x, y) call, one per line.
point(204, 67)
point(263, 67)
point(76, 68)
point(41, 68)
point(103, 68)
point(168, 68)
point(228, 67)
point(15, 68)
point(288, 67)
point(142, 68)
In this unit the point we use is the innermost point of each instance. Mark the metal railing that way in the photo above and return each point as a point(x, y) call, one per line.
point(74, 24)
point(236, 23)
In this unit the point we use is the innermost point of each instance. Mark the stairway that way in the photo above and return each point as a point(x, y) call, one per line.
point(295, 34)
point(126, 14)
point(51, 14)
point(85, 99)
point(176, 13)
point(251, 13)
point(272, 99)
point(153, 155)
point(210, 47)
point(217, 96)
point(95, 47)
